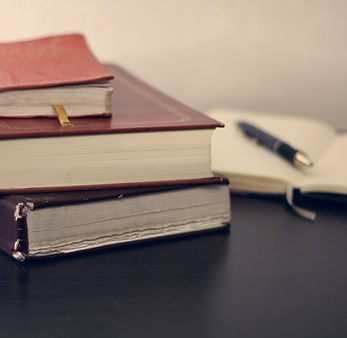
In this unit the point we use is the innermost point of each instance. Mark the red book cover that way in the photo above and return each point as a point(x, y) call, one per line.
point(136, 106)
point(46, 62)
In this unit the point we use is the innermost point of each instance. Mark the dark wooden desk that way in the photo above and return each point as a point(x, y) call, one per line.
point(273, 275)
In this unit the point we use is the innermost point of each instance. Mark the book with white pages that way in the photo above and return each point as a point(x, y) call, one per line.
point(255, 169)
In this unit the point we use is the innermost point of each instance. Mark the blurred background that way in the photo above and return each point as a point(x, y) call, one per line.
point(285, 56)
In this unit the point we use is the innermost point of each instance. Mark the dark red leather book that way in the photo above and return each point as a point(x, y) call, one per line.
point(49, 224)
point(150, 137)
point(47, 62)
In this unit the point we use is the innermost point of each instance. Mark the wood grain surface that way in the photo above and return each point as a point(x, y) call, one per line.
point(273, 275)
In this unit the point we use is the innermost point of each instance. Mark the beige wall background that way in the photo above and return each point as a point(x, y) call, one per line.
point(265, 55)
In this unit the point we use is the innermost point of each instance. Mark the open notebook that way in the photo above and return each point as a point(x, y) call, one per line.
point(253, 168)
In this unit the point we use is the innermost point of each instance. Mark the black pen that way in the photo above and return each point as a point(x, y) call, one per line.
point(294, 156)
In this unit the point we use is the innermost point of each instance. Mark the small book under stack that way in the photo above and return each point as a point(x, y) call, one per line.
point(143, 172)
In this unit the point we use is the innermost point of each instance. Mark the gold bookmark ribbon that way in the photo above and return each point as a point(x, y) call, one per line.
point(62, 116)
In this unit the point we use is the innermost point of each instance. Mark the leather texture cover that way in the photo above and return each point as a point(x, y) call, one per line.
point(46, 62)
point(136, 106)
point(8, 225)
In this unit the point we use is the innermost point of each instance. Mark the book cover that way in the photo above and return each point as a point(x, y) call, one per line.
point(47, 62)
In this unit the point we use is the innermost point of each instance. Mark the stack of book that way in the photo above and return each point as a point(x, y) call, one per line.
point(140, 171)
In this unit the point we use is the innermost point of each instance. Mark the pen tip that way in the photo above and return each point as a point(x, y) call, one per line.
point(302, 161)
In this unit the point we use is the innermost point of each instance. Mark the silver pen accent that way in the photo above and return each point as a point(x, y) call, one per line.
point(302, 161)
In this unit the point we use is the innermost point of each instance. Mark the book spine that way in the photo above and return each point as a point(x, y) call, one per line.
point(13, 229)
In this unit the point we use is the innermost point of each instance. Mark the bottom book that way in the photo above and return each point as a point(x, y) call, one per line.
point(50, 224)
